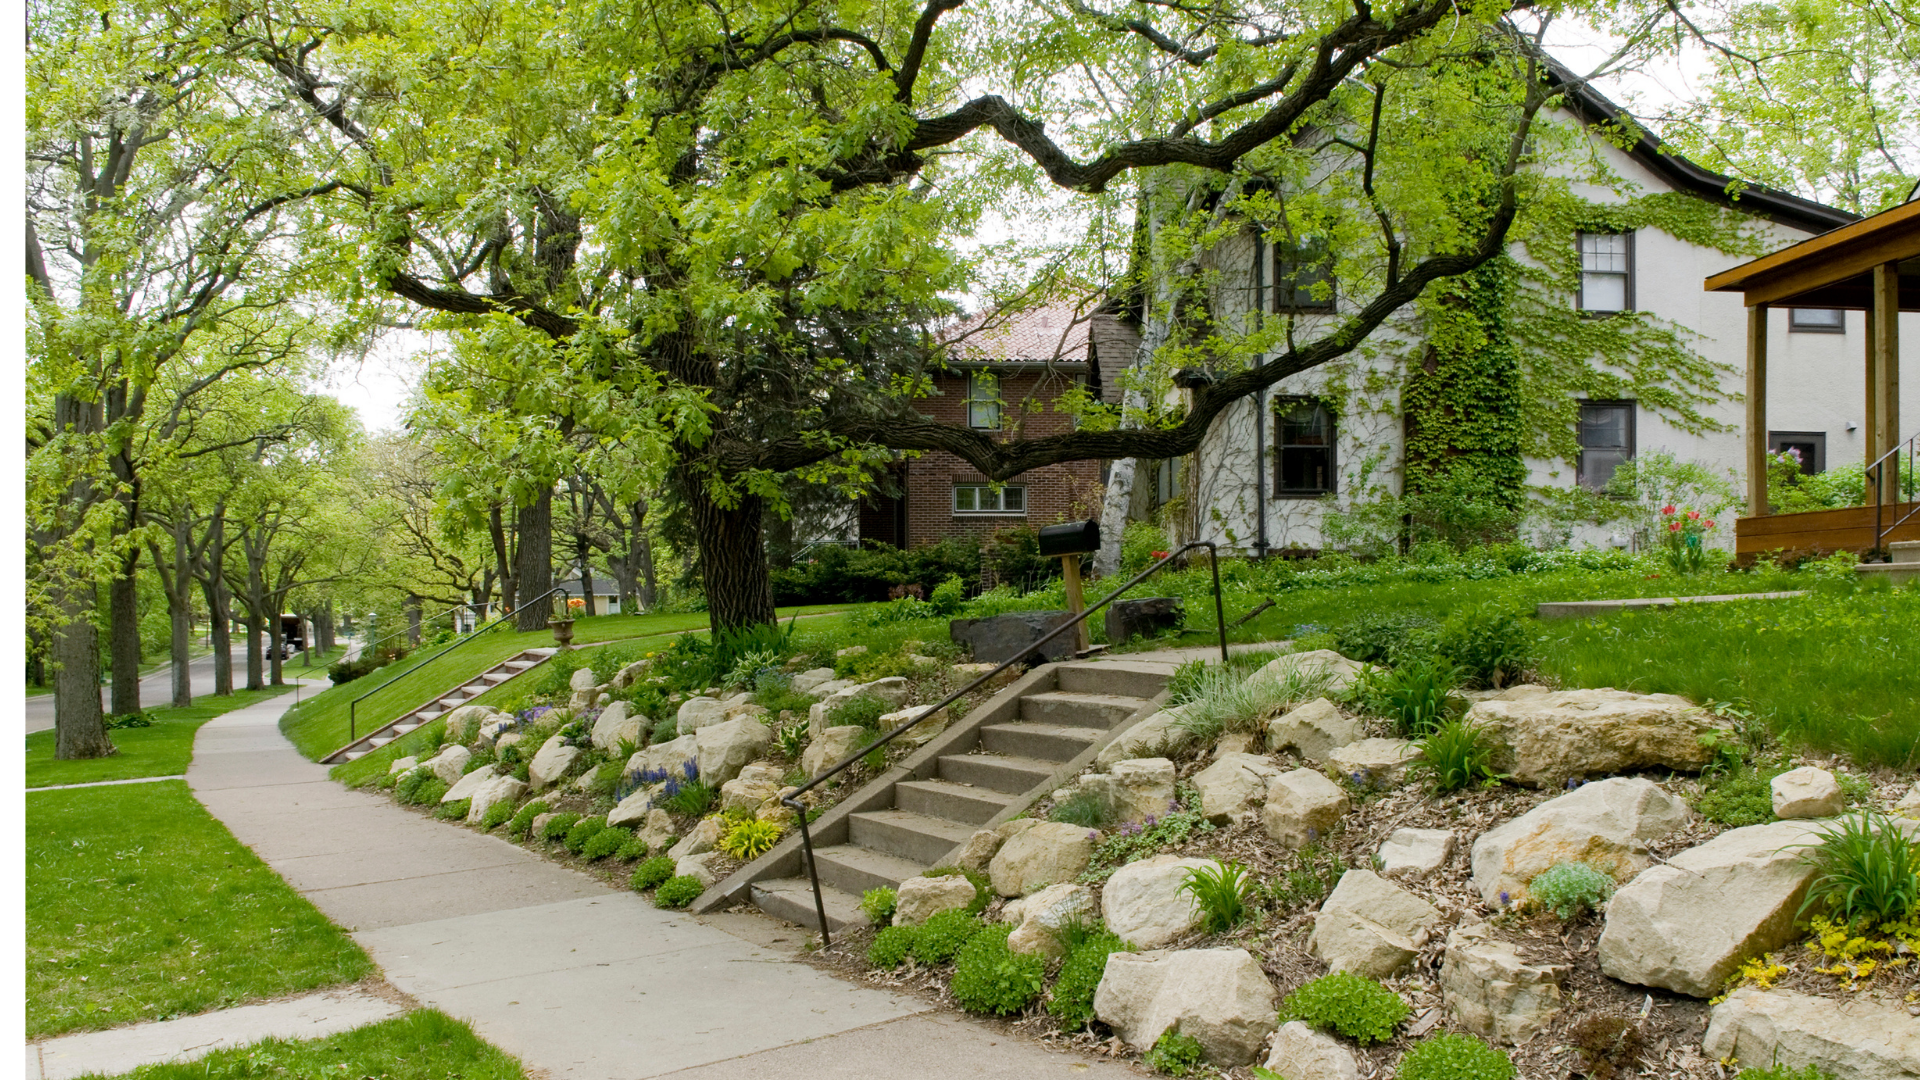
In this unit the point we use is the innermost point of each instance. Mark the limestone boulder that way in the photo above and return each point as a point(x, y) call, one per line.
point(511, 738)
point(747, 710)
point(1143, 904)
point(400, 765)
point(1322, 670)
point(1370, 926)
point(1853, 1038)
point(632, 810)
point(893, 690)
point(1415, 854)
point(1301, 1053)
point(729, 746)
point(1496, 994)
point(1235, 784)
point(1909, 807)
point(656, 831)
point(806, 681)
point(1542, 739)
point(697, 867)
point(1219, 997)
point(1606, 824)
point(449, 764)
point(582, 680)
point(1039, 918)
point(628, 675)
point(1686, 924)
point(699, 840)
point(980, 848)
point(1314, 730)
point(1133, 790)
point(1302, 806)
point(696, 713)
point(756, 784)
point(463, 723)
point(553, 762)
point(493, 729)
point(1807, 792)
point(920, 898)
point(921, 733)
point(467, 785)
point(1157, 735)
point(831, 746)
point(1236, 742)
point(666, 757)
point(1049, 853)
point(1375, 763)
point(500, 789)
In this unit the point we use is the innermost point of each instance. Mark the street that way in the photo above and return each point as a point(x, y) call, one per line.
point(157, 688)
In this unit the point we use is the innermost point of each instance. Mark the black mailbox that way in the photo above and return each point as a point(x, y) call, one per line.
point(1071, 538)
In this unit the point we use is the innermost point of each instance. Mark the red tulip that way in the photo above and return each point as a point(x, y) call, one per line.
point(1667, 509)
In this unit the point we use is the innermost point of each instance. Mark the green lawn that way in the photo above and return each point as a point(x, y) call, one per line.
point(161, 750)
point(320, 726)
point(140, 906)
point(423, 1045)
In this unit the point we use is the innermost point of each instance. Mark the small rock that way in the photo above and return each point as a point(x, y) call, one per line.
point(1040, 918)
point(1156, 736)
point(1542, 739)
point(628, 675)
point(696, 713)
point(979, 850)
point(1909, 807)
point(632, 810)
point(1234, 784)
point(893, 690)
point(1495, 993)
point(1133, 790)
point(1369, 926)
point(695, 866)
point(1236, 742)
point(747, 711)
point(920, 734)
point(1302, 806)
point(657, 832)
point(539, 823)
point(999, 638)
point(1854, 1038)
point(1334, 674)
point(511, 738)
point(727, 747)
point(499, 789)
point(1807, 792)
point(1315, 729)
point(1415, 854)
point(470, 783)
point(463, 723)
point(851, 650)
point(1048, 853)
point(1219, 997)
point(582, 680)
point(920, 898)
point(701, 839)
point(752, 788)
point(492, 730)
point(832, 746)
point(1606, 824)
point(553, 762)
point(1378, 763)
point(1301, 1053)
point(1143, 904)
point(1148, 616)
point(806, 681)
point(401, 765)
point(450, 763)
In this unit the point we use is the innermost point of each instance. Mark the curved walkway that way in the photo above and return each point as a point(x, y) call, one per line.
point(579, 980)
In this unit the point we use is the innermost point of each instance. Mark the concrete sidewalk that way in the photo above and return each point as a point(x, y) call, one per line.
point(578, 980)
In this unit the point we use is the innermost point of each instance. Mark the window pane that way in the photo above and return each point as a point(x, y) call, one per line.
point(1603, 292)
point(1597, 466)
point(1603, 252)
point(963, 498)
point(1306, 424)
point(1604, 426)
point(1819, 318)
point(983, 400)
point(1305, 468)
point(1013, 499)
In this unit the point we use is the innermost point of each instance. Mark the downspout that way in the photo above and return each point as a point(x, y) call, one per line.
point(1259, 402)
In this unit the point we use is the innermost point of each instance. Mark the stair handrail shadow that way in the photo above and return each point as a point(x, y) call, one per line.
point(792, 798)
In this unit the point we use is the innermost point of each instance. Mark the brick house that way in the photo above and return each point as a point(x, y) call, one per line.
point(1005, 373)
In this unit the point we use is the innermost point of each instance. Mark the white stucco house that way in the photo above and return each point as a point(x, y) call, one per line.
point(1260, 480)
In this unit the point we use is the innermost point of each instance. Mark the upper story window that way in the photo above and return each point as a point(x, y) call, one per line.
point(983, 400)
point(1303, 448)
point(1606, 272)
point(1606, 441)
point(1302, 277)
point(987, 499)
point(1808, 320)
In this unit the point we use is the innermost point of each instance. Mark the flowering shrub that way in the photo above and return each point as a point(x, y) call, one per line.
point(1683, 535)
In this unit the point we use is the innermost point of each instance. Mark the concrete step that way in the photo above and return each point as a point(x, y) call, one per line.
point(517, 666)
point(378, 741)
point(353, 754)
point(1904, 551)
point(918, 837)
point(475, 689)
point(408, 727)
point(1131, 678)
point(1894, 572)
point(792, 899)
point(856, 869)
point(945, 799)
point(495, 678)
point(1011, 775)
point(428, 715)
point(1083, 710)
point(1047, 742)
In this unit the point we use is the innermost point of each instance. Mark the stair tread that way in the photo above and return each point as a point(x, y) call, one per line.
point(1079, 732)
point(944, 828)
point(1039, 765)
point(969, 790)
point(1090, 699)
point(843, 908)
point(872, 861)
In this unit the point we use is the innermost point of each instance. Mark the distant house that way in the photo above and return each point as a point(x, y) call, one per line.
point(1005, 374)
point(606, 595)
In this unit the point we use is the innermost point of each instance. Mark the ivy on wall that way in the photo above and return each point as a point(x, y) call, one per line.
point(1462, 399)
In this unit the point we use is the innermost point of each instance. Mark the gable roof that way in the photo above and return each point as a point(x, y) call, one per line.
point(1054, 335)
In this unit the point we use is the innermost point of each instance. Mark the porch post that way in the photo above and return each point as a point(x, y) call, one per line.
point(1871, 422)
point(1886, 362)
point(1757, 410)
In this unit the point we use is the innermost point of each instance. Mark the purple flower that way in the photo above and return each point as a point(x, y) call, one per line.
point(1150, 822)
point(1505, 899)
point(692, 768)
point(1093, 834)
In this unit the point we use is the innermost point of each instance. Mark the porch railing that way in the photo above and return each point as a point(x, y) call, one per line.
point(1890, 490)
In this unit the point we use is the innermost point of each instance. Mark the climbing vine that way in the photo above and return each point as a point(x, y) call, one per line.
point(1462, 400)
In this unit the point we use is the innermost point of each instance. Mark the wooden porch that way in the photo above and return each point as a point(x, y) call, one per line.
point(1871, 266)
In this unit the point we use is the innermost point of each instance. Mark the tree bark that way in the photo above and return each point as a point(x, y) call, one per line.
point(80, 726)
point(413, 620)
point(503, 557)
point(733, 560)
point(123, 635)
point(533, 526)
point(176, 580)
point(584, 552)
point(323, 627)
point(213, 586)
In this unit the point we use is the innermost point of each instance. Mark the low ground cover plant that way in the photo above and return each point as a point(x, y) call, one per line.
point(1349, 1004)
point(989, 977)
point(522, 820)
point(678, 892)
point(650, 874)
point(1455, 1057)
point(748, 840)
point(891, 946)
point(941, 937)
point(1080, 973)
point(1570, 888)
point(878, 904)
point(1175, 1054)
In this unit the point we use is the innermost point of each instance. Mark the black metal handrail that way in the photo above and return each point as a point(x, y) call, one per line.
point(792, 799)
point(1878, 470)
point(353, 718)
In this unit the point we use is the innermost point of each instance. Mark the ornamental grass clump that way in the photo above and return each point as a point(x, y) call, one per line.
point(1455, 755)
point(678, 892)
point(1220, 892)
point(651, 874)
point(1413, 696)
point(1569, 888)
point(942, 936)
point(750, 839)
point(1865, 869)
point(989, 977)
point(1455, 1057)
point(1080, 974)
point(1356, 1007)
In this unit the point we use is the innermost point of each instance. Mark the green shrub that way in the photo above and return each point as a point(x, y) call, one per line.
point(605, 842)
point(878, 905)
point(1386, 637)
point(948, 596)
point(1356, 1007)
point(989, 977)
point(678, 892)
point(891, 946)
point(1781, 1072)
point(861, 710)
point(1175, 1054)
point(1864, 868)
point(1221, 894)
point(982, 888)
point(583, 830)
point(1454, 755)
point(1739, 797)
point(1455, 1057)
point(1413, 695)
point(429, 792)
point(453, 811)
point(522, 821)
point(750, 839)
point(632, 847)
point(499, 812)
point(943, 935)
point(1491, 646)
point(651, 873)
point(558, 826)
point(1079, 977)
point(409, 782)
point(1568, 888)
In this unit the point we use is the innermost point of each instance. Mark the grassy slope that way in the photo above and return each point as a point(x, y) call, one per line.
point(423, 1045)
point(161, 750)
point(140, 906)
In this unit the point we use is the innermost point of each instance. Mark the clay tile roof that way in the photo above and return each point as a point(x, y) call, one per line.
point(1053, 333)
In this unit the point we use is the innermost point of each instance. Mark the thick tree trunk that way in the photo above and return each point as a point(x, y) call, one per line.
point(256, 603)
point(413, 620)
point(323, 627)
point(733, 560)
point(80, 725)
point(533, 571)
point(643, 550)
point(123, 635)
point(503, 558)
point(179, 585)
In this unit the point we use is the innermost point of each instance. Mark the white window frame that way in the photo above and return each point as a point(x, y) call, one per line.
point(978, 496)
point(983, 401)
point(1626, 275)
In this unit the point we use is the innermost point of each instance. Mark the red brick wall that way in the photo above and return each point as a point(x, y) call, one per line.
point(1063, 492)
